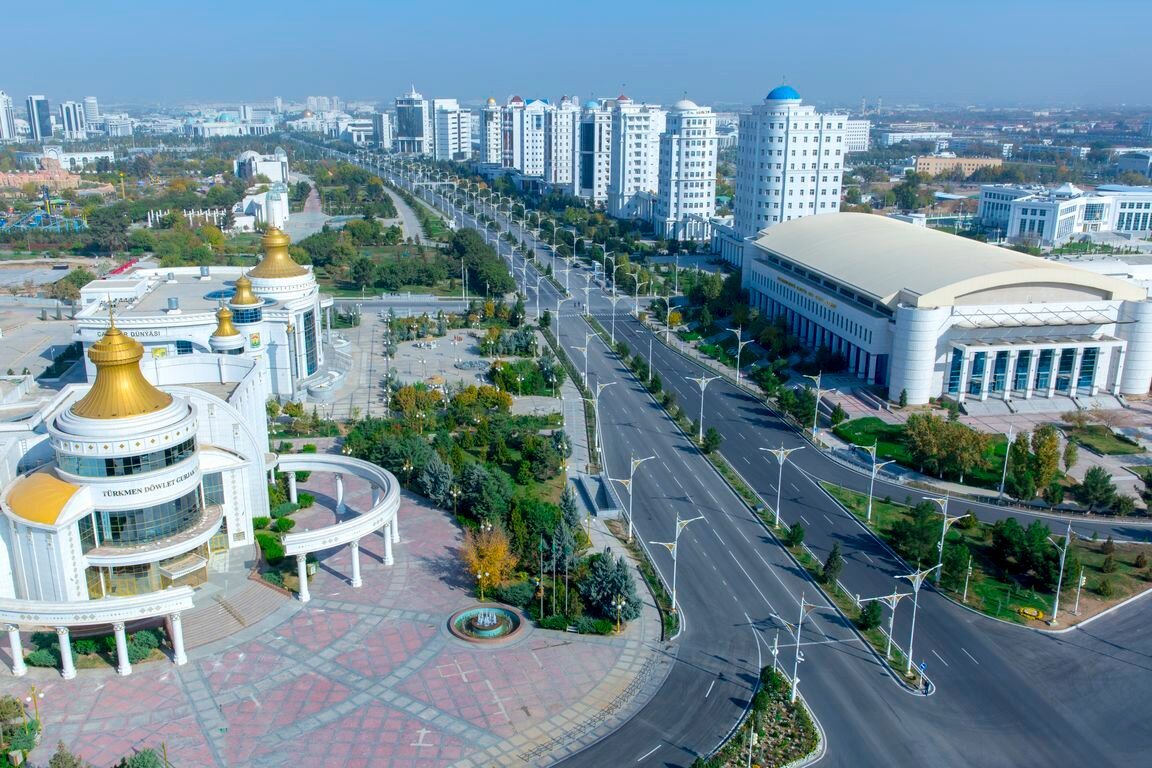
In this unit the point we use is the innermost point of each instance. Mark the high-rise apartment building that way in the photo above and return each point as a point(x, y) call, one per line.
point(561, 137)
point(91, 110)
point(382, 129)
point(413, 134)
point(595, 152)
point(789, 165)
point(635, 167)
point(7, 118)
point(857, 135)
point(39, 117)
point(451, 130)
point(686, 199)
point(72, 120)
point(490, 133)
point(522, 135)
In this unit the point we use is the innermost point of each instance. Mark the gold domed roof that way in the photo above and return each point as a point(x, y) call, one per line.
point(276, 262)
point(224, 325)
point(120, 389)
point(243, 296)
point(40, 497)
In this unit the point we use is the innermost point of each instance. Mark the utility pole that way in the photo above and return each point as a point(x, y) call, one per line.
point(739, 331)
point(917, 581)
point(1063, 550)
point(1007, 453)
point(671, 546)
point(891, 601)
point(635, 462)
point(817, 379)
point(948, 520)
point(795, 630)
point(781, 455)
point(872, 482)
point(702, 381)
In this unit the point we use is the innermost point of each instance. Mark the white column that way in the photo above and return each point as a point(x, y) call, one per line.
point(123, 667)
point(355, 546)
point(1053, 371)
point(67, 667)
point(339, 493)
point(989, 368)
point(177, 627)
point(1076, 363)
point(965, 370)
point(395, 528)
point(1033, 366)
point(1010, 374)
point(388, 544)
point(14, 644)
point(1121, 351)
point(302, 575)
point(292, 487)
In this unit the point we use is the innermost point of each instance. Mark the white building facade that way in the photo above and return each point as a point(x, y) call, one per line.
point(490, 132)
point(857, 135)
point(561, 135)
point(249, 164)
point(686, 198)
point(7, 118)
point(929, 314)
point(595, 152)
point(634, 171)
point(451, 130)
point(73, 121)
point(1050, 218)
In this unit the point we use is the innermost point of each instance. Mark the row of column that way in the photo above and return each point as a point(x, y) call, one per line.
point(391, 536)
point(123, 664)
point(1106, 358)
point(814, 335)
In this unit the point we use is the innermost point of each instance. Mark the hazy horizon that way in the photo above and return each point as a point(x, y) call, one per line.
point(1004, 53)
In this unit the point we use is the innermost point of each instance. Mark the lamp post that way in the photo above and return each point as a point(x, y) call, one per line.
point(618, 604)
point(615, 300)
point(408, 470)
point(795, 630)
point(947, 523)
point(600, 387)
point(455, 493)
point(559, 300)
point(636, 297)
point(480, 577)
point(917, 580)
point(628, 483)
point(702, 381)
point(872, 482)
point(739, 331)
point(891, 601)
point(1063, 550)
point(672, 547)
point(781, 455)
point(1007, 454)
point(819, 393)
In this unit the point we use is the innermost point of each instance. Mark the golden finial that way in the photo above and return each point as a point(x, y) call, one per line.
point(243, 297)
point(224, 325)
point(276, 262)
point(120, 389)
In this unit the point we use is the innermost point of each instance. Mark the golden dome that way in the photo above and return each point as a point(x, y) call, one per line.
point(40, 497)
point(243, 296)
point(224, 325)
point(276, 262)
point(120, 389)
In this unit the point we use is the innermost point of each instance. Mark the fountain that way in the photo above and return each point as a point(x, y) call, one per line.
point(485, 624)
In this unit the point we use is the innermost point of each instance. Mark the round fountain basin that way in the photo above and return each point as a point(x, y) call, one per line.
point(485, 624)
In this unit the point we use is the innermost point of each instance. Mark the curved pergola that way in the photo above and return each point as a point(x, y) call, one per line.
point(384, 513)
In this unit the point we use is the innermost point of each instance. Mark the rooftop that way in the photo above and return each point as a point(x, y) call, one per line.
point(884, 258)
point(782, 93)
point(193, 293)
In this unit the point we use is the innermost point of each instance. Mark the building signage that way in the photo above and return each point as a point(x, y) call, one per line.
point(254, 340)
point(150, 488)
point(806, 292)
point(147, 333)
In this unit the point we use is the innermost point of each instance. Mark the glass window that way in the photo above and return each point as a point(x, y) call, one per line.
point(122, 466)
point(1023, 361)
point(1064, 371)
point(1043, 369)
point(139, 526)
point(250, 315)
point(310, 352)
point(1088, 368)
point(184, 347)
point(999, 372)
point(213, 488)
point(954, 371)
point(976, 375)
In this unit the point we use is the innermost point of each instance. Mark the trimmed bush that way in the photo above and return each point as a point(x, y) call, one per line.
point(304, 500)
point(260, 522)
point(604, 626)
point(285, 509)
point(559, 623)
point(518, 594)
point(137, 653)
point(285, 524)
point(586, 625)
point(270, 546)
point(85, 646)
point(147, 638)
point(43, 657)
point(273, 577)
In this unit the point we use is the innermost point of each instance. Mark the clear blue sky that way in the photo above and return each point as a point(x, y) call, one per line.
point(985, 51)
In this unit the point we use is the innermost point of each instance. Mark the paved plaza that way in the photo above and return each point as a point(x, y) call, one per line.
point(363, 677)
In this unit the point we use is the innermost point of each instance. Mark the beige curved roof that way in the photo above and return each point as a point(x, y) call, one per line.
point(40, 497)
point(892, 261)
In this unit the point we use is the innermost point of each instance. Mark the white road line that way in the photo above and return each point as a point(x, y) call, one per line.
point(647, 754)
point(794, 487)
point(867, 557)
point(970, 656)
point(940, 657)
point(712, 497)
point(719, 539)
point(706, 695)
point(805, 520)
point(745, 458)
point(741, 532)
point(828, 519)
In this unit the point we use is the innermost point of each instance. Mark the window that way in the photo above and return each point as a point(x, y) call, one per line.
point(139, 526)
point(213, 488)
point(184, 347)
point(122, 466)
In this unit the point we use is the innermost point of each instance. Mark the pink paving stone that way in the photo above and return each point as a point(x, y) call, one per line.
point(252, 720)
point(242, 666)
point(387, 647)
point(185, 743)
point(316, 630)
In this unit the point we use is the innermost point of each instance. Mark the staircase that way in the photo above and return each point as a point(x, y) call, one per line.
point(224, 616)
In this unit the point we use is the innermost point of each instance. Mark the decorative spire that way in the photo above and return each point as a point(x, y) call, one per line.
point(276, 262)
point(224, 325)
point(243, 297)
point(120, 389)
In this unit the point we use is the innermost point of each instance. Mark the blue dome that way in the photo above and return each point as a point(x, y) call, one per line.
point(783, 93)
point(591, 104)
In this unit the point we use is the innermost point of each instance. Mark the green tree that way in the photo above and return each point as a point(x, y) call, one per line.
point(712, 440)
point(63, 758)
point(795, 535)
point(1071, 455)
point(145, 758)
point(608, 579)
point(435, 481)
point(1045, 455)
point(1021, 483)
point(568, 509)
point(108, 226)
point(833, 565)
point(956, 556)
point(1097, 490)
point(870, 615)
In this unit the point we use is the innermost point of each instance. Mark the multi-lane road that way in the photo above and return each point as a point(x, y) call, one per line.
point(1005, 696)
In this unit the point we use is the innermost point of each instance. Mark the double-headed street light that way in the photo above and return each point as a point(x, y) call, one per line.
point(672, 547)
point(817, 379)
point(600, 387)
point(891, 601)
point(636, 297)
point(781, 455)
point(948, 520)
point(794, 630)
point(702, 381)
point(917, 580)
point(628, 483)
point(1063, 550)
point(876, 466)
point(614, 299)
point(739, 331)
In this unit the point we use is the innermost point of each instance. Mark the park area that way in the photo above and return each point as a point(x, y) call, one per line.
point(1013, 569)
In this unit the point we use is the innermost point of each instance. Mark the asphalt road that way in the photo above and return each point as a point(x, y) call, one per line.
point(1005, 696)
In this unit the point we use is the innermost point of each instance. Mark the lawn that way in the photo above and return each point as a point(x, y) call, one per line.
point(1100, 439)
point(889, 442)
point(1001, 596)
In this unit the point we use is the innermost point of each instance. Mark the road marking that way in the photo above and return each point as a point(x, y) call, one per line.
point(712, 497)
point(970, 656)
point(794, 487)
point(805, 520)
point(745, 458)
point(709, 693)
point(868, 558)
point(828, 519)
point(719, 539)
point(940, 657)
point(741, 532)
point(647, 754)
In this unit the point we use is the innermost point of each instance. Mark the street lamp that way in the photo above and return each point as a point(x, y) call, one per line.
point(1007, 454)
point(702, 381)
point(795, 630)
point(559, 300)
point(1063, 550)
point(618, 604)
point(872, 482)
point(917, 580)
point(636, 297)
point(891, 601)
point(672, 547)
point(600, 387)
point(615, 300)
point(628, 483)
point(947, 523)
point(480, 577)
point(819, 393)
point(739, 331)
point(455, 493)
point(781, 455)
point(408, 470)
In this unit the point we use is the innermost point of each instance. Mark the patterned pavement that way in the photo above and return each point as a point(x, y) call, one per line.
point(363, 677)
